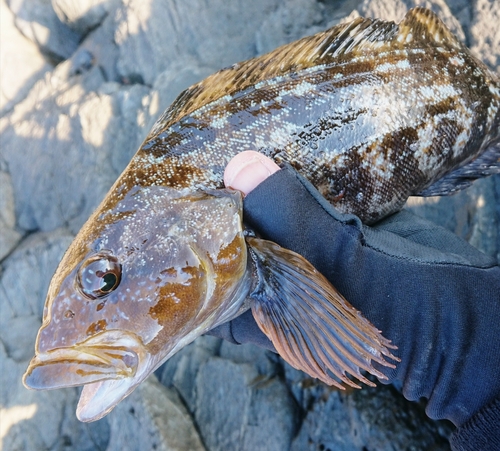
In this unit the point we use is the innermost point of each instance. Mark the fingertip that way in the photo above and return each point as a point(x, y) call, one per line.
point(247, 170)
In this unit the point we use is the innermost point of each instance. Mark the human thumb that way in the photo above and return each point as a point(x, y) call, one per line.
point(247, 170)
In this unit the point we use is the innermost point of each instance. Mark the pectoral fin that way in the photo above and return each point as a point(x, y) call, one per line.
point(310, 324)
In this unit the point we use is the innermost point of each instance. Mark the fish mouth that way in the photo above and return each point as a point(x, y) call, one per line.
point(109, 365)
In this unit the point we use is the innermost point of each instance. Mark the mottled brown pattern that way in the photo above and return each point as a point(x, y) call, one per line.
point(97, 327)
point(177, 304)
point(370, 112)
point(334, 46)
point(336, 106)
point(230, 262)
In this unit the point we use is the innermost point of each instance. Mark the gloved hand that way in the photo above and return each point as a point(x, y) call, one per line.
point(435, 296)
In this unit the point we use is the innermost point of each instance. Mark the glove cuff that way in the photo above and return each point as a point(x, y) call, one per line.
point(481, 432)
point(242, 329)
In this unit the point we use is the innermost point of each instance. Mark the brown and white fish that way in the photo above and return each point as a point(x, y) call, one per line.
point(370, 112)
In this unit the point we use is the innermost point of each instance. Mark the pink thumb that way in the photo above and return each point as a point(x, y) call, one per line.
point(247, 170)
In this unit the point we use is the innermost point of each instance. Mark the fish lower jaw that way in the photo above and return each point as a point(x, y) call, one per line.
point(99, 398)
point(109, 366)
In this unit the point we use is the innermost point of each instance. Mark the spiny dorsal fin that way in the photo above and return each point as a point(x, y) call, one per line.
point(309, 323)
point(420, 28)
point(424, 26)
point(321, 48)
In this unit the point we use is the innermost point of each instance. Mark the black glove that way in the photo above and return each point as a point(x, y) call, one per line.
point(435, 296)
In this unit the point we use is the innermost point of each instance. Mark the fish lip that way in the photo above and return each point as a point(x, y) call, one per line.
point(105, 356)
point(109, 365)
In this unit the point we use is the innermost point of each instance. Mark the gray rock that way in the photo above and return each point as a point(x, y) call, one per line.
point(152, 36)
point(265, 362)
point(390, 10)
point(288, 22)
point(152, 418)
point(20, 339)
point(21, 61)
point(9, 236)
point(238, 409)
point(100, 44)
point(485, 33)
point(370, 419)
point(471, 214)
point(37, 20)
point(170, 83)
point(25, 277)
point(82, 61)
point(82, 138)
point(84, 15)
point(181, 370)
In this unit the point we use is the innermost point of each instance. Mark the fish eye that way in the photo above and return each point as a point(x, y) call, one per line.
point(99, 275)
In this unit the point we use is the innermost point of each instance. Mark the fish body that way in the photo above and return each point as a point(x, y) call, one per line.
point(370, 112)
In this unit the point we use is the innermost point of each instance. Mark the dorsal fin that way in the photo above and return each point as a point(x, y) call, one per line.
point(424, 26)
point(321, 48)
point(420, 28)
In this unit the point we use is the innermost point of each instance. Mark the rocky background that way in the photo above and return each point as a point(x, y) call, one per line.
point(81, 84)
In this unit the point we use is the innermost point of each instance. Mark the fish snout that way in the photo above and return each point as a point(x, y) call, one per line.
point(100, 358)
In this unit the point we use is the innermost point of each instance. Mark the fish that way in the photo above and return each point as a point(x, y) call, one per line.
point(370, 112)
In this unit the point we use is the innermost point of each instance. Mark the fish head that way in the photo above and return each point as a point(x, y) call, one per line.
point(144, 277)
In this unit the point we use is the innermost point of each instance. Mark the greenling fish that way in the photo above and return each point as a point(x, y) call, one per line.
point(370, 112)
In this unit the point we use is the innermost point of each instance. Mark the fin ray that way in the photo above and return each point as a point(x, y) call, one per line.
point(310, 324)
point(324, 318)
point(325, 315)
point(486, 164)
point(424, 26)
point(331, 348)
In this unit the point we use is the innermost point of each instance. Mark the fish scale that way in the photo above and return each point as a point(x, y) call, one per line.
point(370, 112)
point(369, 127)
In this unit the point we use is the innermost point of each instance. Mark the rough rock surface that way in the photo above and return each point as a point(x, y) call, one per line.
point(37, 20)
point(20, 59)
point(68, 130)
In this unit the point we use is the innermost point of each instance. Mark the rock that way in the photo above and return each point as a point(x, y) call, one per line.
point(288, 22)
point(9, 236)
point(100, 45)
point(23, 286)
point(95, 133)
point(169, 31)
point(264, 361)
point(181, 370)
point(170, 83)
point(21, 61)
point(25, 277)
point(237, 409)
point(369, 419)
point(152, 418)
point(66, 137)
point(37, 21)
point(390, 10)
point(82, 61)
point(83, 16)
point(485, 34)
point(471, 214)
point(20, 339)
